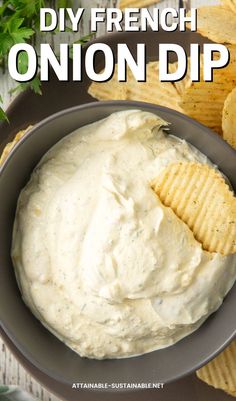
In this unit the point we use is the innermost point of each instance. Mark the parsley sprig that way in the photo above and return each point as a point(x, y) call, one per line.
point(19, 23)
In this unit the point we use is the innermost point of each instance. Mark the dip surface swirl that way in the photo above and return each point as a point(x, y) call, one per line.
point(99, 260)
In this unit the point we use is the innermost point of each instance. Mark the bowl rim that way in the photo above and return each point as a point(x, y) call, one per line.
point(98, 104)
point(101, 104)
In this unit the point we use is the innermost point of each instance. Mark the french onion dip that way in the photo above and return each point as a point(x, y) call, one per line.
point(100, 261)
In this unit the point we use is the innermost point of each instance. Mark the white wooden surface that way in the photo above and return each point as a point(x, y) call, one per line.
point(10, 370)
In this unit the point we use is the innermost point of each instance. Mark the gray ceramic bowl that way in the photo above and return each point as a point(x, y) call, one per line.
point(40, 347)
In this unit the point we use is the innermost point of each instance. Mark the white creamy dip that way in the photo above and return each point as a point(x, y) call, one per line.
point(99, 260)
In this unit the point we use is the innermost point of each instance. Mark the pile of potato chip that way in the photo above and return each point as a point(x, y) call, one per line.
point(210, 103)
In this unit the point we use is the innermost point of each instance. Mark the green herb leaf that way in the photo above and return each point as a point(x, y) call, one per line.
point(3, 116)
point(64, 4)
point(14, 24)
point(85, 39)
point(6, 42)
point(18, 33)
point(27, 8)
point(22, 62)
point(81, 41)
point(19, 22)
point(34, 85)
point(3, 389)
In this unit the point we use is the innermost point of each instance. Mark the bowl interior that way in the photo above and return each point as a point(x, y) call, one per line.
point(40, 347)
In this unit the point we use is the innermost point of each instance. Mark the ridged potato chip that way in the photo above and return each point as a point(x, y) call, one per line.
point(136, 3)
point(110, 90)
point(233, 393)
point(232, 49)
point(151, 91)
point(217, 23)
point(204, 101)
point(221, 371)
point(200, 197)
point(231, 4)
point(9, 147)
point(183, 83)
point(229, 119)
